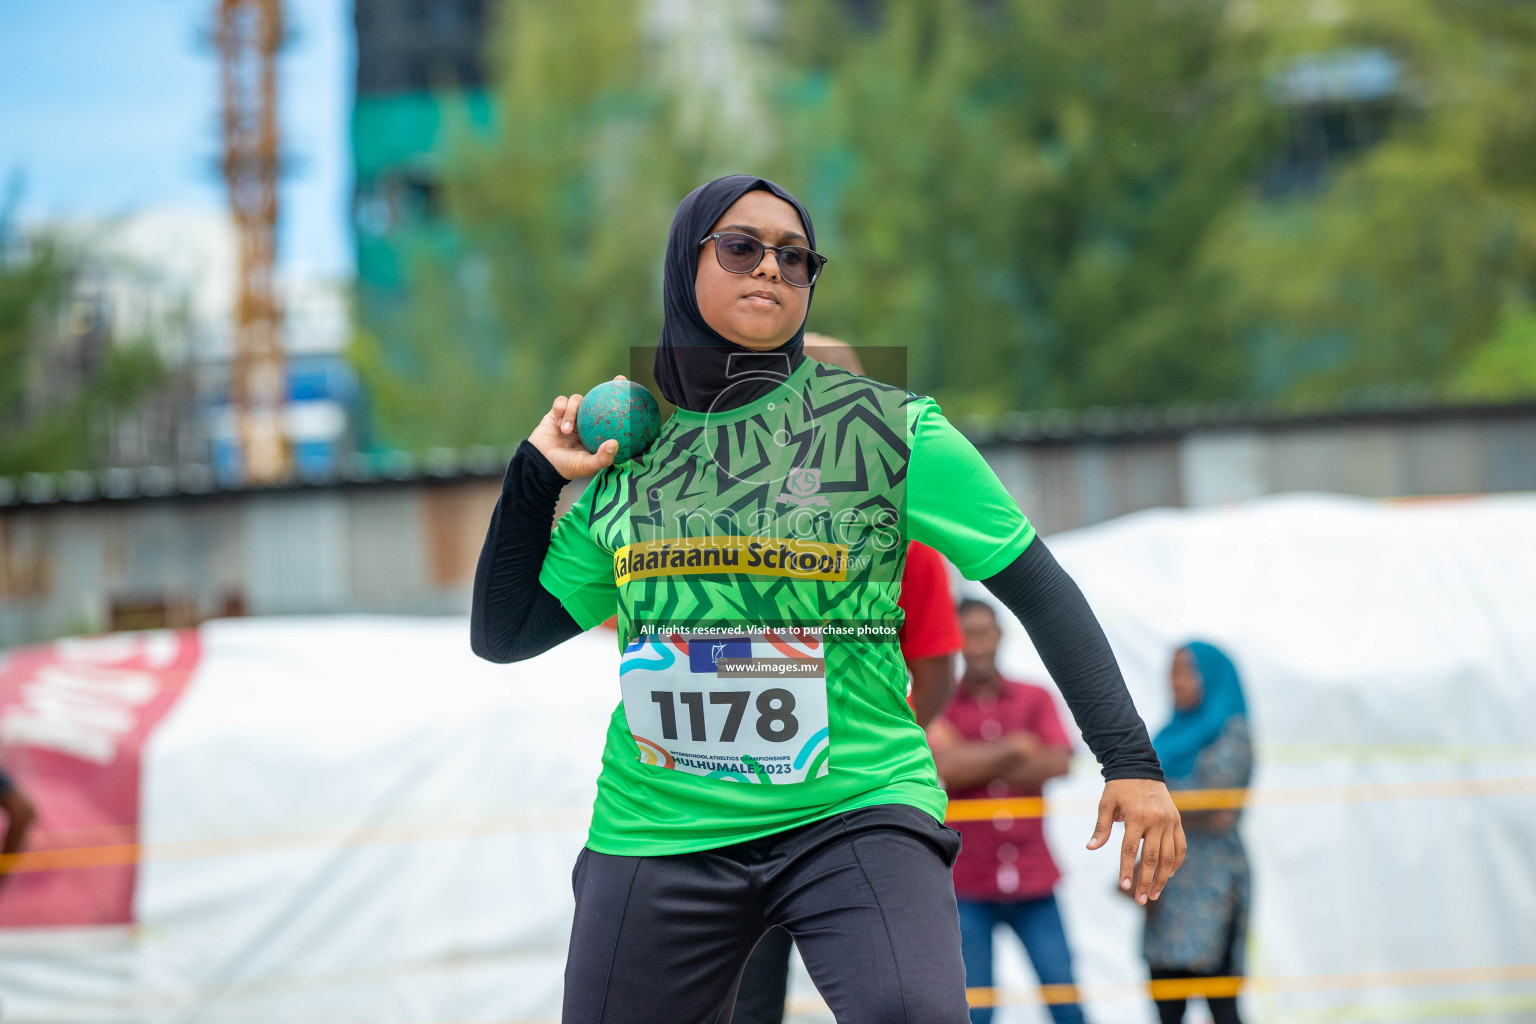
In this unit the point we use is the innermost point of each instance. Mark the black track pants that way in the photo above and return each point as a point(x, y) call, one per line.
point(866, 894)
point(765, 982)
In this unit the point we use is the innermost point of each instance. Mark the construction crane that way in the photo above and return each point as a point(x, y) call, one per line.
point(248, 35)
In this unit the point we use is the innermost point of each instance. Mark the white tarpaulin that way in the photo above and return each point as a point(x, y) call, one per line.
point(355, 820)
point(1379, 643)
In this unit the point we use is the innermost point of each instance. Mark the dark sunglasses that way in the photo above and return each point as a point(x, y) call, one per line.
point(740, 254)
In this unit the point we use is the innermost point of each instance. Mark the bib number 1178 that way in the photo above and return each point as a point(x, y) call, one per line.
point(735, 709)
point(775, 720)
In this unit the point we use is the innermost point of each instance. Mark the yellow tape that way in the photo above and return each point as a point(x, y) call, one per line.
point(1225, 987)
point(70, 858)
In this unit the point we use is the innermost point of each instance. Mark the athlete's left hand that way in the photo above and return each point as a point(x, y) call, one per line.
point(1151, 819)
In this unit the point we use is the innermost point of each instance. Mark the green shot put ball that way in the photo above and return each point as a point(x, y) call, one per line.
point(619, 409)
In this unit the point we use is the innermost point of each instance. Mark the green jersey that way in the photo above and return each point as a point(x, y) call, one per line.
point(754, 559)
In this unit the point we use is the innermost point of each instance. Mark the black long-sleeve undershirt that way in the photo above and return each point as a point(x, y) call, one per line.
point(1076, 652)
point(513, 617)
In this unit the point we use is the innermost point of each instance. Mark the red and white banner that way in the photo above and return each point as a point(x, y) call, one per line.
point(74, 717)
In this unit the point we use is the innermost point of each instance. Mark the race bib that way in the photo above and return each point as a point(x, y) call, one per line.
point(729, 707)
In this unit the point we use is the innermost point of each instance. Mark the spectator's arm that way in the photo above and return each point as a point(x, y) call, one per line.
point(965, 764)
point(1226, 764)
point(932, 684)
point(1046, 763)
point(930, 630)
point(19, 816)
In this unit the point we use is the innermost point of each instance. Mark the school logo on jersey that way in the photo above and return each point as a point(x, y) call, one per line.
point(802, 483)
point(703, 654)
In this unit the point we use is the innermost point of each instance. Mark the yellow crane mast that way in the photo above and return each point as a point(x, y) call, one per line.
point(248, 36)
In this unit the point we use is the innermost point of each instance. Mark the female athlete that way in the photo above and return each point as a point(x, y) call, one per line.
point(763, 766)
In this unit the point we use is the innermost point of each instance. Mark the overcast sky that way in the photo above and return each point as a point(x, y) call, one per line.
point(107, 106)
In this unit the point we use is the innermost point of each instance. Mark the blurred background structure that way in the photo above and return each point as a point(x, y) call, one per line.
point(400, 532)
point(248, 37)
point(1173, 255)
point(1156, 256)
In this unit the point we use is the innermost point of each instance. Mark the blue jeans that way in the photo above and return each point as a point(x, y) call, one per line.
point(1038, 925)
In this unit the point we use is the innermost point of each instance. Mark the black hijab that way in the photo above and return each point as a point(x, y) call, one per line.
point(695, 365)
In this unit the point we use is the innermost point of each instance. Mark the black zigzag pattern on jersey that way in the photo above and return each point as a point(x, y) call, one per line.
point(734, 478)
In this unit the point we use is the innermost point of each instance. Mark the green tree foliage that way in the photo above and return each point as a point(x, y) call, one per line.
point(551, 271)
point(53, 425)
point(31, 286)
point(1504, 368)
point(1044, 202)
point(1020, 191)
point(1420, 253)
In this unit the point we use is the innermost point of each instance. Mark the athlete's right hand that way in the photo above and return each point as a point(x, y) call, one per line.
point(556, 438)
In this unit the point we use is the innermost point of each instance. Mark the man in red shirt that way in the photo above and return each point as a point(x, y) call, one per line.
point(1001, 738)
